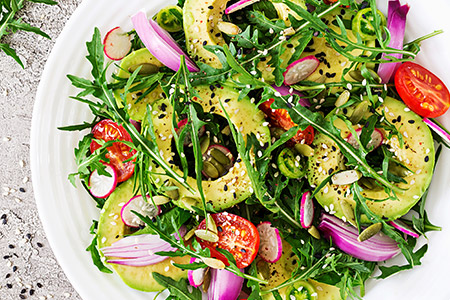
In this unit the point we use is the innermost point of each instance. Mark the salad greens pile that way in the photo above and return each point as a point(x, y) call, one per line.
point(253, 59)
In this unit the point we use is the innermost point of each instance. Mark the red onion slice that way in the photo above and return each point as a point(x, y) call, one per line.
point(160, 43)
point(224, 285)
point(439, 129)
point(239, 5)
point(397, 224)
point(378, 248)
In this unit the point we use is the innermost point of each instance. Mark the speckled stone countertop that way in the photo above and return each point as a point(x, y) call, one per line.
point(28, 268)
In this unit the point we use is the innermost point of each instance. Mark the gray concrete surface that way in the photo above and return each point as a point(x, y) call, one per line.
point(28, 269)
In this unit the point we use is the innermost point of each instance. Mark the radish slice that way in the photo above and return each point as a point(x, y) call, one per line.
point(270, 245)
point(101, 186)
point(160, 43)
point(239, 5)
point(439, 129)
point(376, 140)
point(116, 44)
point(284, 91)
point(300, 69)
point(136, 124)
point(187, 139)
point(306, 210)
point(397, 224)
point(141, 206)
point(196, 277)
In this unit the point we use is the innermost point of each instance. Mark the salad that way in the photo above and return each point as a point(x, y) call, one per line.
point(259, 149)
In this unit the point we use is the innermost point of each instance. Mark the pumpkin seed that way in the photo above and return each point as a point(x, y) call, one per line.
point(361, 109)
point(226, 130)
point(314, 232)
point(346, 177)
point(304, 150)
point(356, 74)
point(207, 235)
point(220, 168)
point(210, 169)
point(220, 157)
point(211, 224)
point(348, 212)
point(213, 263)
point(189, 202)
point(189, 234)
point(172, 193)
point(146, 69)
point(206, 281)
point(160, 200)
point(343, 98)
point(370, 232)
point(204, 144)
point(228, 28)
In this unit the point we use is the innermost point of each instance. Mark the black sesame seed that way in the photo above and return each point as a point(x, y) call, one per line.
point(14, 268)
point(3, 216)
point(263, 59)
point(427, 158)
point(39, 245)
point(204, 43)
point(163, 107)
point(161, 116)
point(234, 195)
point(6, 256)
point(218, 34)
point(320, 71)
point(219, 228)
point(333, 148)
point(22, 296)
point(39, 285)
point(330, 171)
point(9, 285)
point(411, 121)
point(23, 291)
point(238, 160)
point(11, 246)
point(290, 46)
point(211, 7)
point(345, 111)
point(213, 95)
point(330, 75)
point(227, 100)
point(22, 190)
point(243, 251)
point(308, 49)
point(31, 292)
point(225, 188)
point(4, 221)
point(7, 276)
point(28, 235)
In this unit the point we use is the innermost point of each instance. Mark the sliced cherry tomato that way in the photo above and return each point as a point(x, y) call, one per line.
point(236, 235)
point(281, 118)
point(422, 91)
point(118, 153)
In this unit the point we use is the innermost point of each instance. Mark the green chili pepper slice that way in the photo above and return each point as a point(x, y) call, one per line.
point(289, 164)
point(362, 24)
point(302, 290)
point(170, 18)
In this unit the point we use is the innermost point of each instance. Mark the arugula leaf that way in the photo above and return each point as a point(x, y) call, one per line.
point(178, 289)
point(96, 258)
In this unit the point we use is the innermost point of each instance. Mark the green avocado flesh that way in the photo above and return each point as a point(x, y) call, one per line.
point(233, 187)
point(417, 154)
point(149, 64)
point(280, 271)
point(111, 229)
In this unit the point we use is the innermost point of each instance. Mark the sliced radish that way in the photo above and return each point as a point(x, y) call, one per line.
point(404, 228)
point(136, 124)
point(306, 210)
point(239, 5)
point(196, 277)
point(284, 91)
point(376, 139)
point(117, 44)
point(300, 69)
point(439, 129)
point(101, 186)
point(270, 245)
point(141, 206)
point(187, 139)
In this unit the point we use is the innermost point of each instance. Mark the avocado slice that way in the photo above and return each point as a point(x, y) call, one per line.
point(233, 187)
point(417, 155)
point(149, 64)
point(278, 272)
point(111, 229)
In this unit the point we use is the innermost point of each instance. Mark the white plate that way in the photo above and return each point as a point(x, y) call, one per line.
point(66, 212)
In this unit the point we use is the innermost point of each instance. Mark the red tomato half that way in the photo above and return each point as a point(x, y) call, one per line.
point(422, 91)
point(118, 153)
point(236, 235)
point(280, 118)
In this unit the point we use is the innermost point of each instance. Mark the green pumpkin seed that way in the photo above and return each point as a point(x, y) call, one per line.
point(356, 74)
point(204, 144)
point(226, 130)
point(343, 98)
point(346, 177)
point(370, 232)
point(211, 225)
point(220, 168)
point(304, 150)
point(160, 200)
point(348, 212)
point(189, 234)
point(207, 235)
point(228, 28)
point(220, 157)
point(314, 232)
point(146, 69)
point(210, 169)
point(213, 263)
point(359, 112)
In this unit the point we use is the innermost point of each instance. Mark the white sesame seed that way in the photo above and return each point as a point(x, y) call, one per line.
point(325, 190)
point(427, 151)
point(265, 124)
point(349, 86)
point(103, 240)
point(419, 171)
point(406, 109)
point(364, 82)
point(25, 179)
point(113, 223)
point(416, 197)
